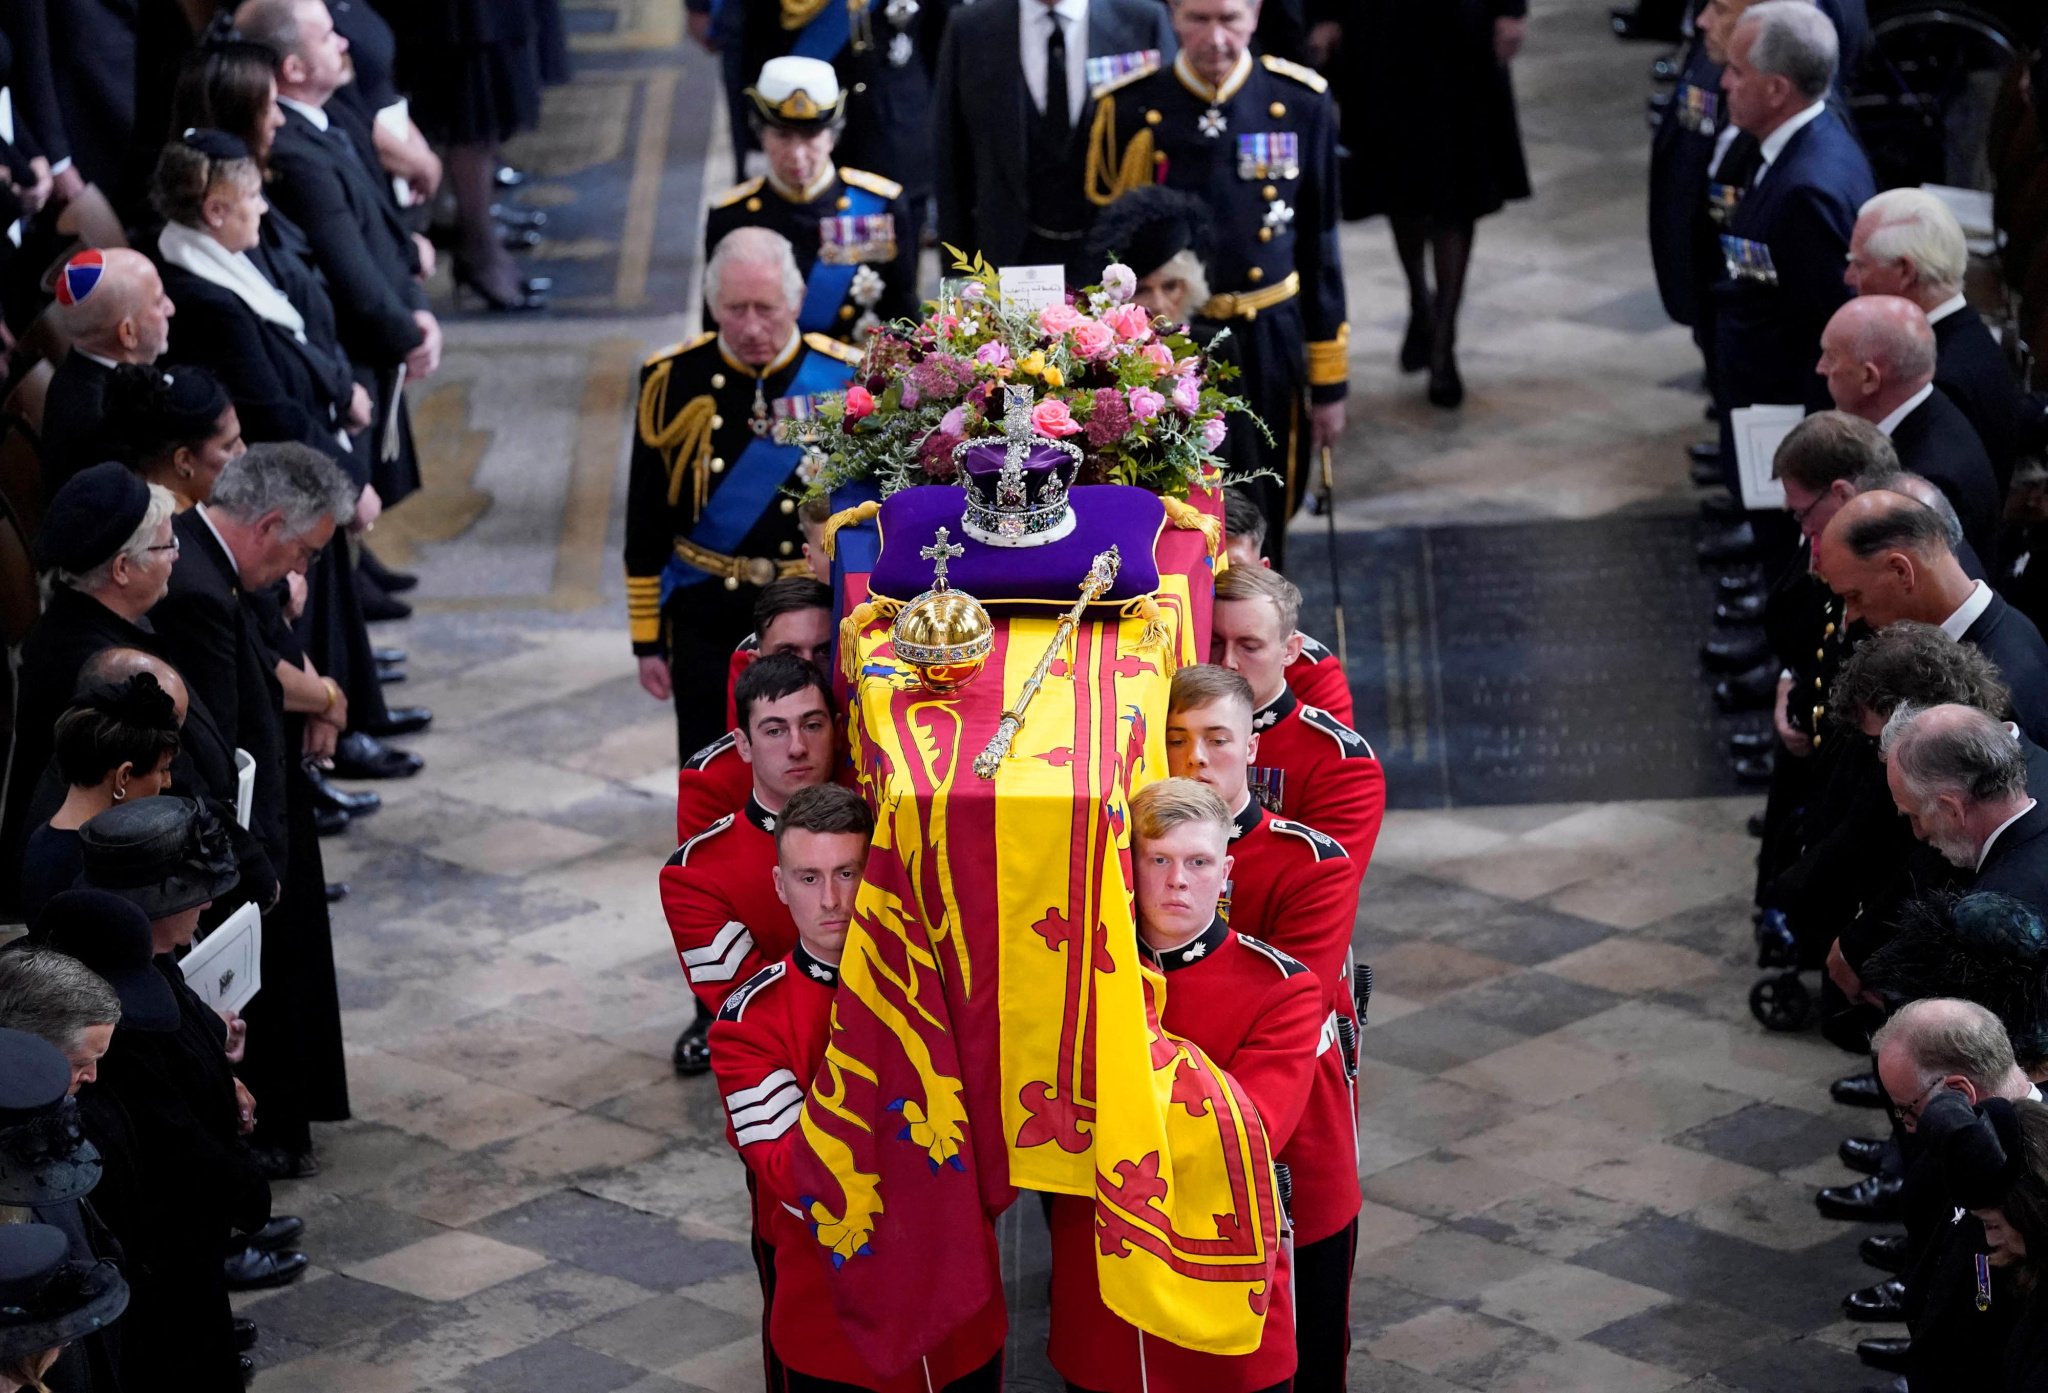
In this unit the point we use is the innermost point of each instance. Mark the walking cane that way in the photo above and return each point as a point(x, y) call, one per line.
point(1329, 502)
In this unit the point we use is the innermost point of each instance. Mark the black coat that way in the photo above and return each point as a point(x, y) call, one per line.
point(1429, 114)
point(1970, 368)
point(92, 61)
point(2009, 639)
point(1680, 151)
point(74, 420)
point(2017, 864)
point(38, 128)
point(981, 113)
point(1937, 442)
point(206, 630)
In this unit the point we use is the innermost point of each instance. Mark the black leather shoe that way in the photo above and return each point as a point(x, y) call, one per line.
point(280, 1233)
point(386, 579)
point(1704, 452)
point(1754, 690)
point(245, 1333)
point(1755, 770)
point(1739, 582)
point(1857, 1091)
point(401, 720)
point(1884, 1251)
point(252, 1269)
point(1756, 825)
point(1735, 652)
point(1738, 543)
point(1416, 343)
point(378, 606)
point(1721, 508)
point(1884, 1302)
point(512, 215)
point(388, 673)
point(1744, 608)
point(325, 793)
point(1707, 476)
point(329, 821)
point(337, 891)
point(1871, 1200)
point(692, 1054)
point(248, 1368)
point(388, 655)
point(360, 755)
point(1753, 742)
point(1863, 1154)
point(1886, 1354)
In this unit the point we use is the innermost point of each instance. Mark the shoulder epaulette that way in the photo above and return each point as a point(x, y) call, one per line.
point(1307, 77)
point(1326, 848)
point(738, 192)
point(736, 1004)
point(1289, 967)
point(676, 350)
point(833, 348)
point(873, 183)
point(712, 751)
point(1348, 740)
point(1123, 80)
point(682, 853)
point(1314, 649)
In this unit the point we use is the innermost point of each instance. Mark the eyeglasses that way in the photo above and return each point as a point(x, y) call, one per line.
point(1799, 515)
point(171, 546)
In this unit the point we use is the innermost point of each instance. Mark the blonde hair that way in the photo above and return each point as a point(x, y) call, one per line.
point(1158, 808)
point(1206, 683)
point(1262, 583)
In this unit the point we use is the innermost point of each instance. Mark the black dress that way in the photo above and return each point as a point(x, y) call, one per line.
point(1428, 114)
point(51, 864)
point(475, 68)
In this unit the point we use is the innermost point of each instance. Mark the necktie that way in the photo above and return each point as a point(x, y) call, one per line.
point(1058, 120)
point(1745, 158)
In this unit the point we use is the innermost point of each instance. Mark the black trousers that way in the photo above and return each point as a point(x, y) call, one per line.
point(703, 623)
point(1273, 355)
point(987, 1379)
point(1322, 1310)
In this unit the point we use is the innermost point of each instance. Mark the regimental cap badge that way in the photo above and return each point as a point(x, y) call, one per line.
point(800, 94)
point(1017, 483)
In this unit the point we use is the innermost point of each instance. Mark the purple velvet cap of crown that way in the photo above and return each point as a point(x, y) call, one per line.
point(1104, 514)
point(982, 461)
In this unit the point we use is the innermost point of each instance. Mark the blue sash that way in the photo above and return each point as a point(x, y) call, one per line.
point(753, 479)
point(825, 290)
point(826, 34)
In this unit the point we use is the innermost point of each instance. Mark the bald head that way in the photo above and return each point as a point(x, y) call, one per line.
point(1876, 352)
point(1944, 1041)
point(1956, 774)
point(1888, 557)
point(111, 665)
point(126, 315)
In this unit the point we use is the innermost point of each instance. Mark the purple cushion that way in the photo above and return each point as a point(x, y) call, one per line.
point(1104, 515)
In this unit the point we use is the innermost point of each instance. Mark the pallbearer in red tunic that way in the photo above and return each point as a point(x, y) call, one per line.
point(1294, 888)
point(1257, 1013)
point(793, 615)
point(767, 1043)
point(1315, 675)
point(718, 889)
point(1311, 767)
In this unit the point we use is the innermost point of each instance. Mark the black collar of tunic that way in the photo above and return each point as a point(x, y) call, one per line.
point(1194, 950)
point(1246, 819)
point(817, 969)
point(1276, 710)
point(760, 816)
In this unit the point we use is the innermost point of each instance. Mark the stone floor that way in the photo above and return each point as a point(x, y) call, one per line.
point(1586, 1167)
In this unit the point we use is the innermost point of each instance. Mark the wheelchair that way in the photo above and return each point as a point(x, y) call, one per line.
point(1924, 97)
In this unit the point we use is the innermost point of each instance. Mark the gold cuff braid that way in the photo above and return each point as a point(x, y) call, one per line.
point(643, 608)
point(1329, 362)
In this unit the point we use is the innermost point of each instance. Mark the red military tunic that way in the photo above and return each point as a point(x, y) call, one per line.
point(719, 895)
point(713, 782)
point(766, 1046)
point(1314, 769)
point(1294, 888)
point(743, 655)
point(1255, 1012)
point(1318, 679)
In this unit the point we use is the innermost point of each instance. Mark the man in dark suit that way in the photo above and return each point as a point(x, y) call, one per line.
point(92, 60)
point(1889, 559)
point(1907, 243)
point(1877, 355)
point(1960, 778)
point(111, 305)
point(1782, 248)
point(1010, 161)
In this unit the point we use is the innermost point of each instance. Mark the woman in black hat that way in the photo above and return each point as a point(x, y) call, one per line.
point(115, 743)
point(177, 426)
point(47, 1300)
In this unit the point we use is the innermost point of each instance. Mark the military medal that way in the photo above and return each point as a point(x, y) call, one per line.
point(760, 420)
point(1269, 155)
point(1108, 67)
point(1266, 782)
point(1748, 261)
point(848, 239)
point(1278, 216)
point(1983, 1281)
point(1212, 123)
point(1722, 200)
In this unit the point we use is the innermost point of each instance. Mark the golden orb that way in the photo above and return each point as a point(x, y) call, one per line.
point(946, 636)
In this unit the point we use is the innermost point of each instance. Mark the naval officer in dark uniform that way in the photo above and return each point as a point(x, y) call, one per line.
point(853, 236)
point(1256, 140)
point(709, 516)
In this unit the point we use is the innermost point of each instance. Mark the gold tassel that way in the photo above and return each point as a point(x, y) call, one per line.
point(1107, 177)
point(1188, 517)
point(684, 442)
point(857, 620)
point(1156, 634)
point(846, 517)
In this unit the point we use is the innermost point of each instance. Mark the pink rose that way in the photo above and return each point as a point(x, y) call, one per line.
point(1146, 403)
point(859, 402)
point(992, 355)
point(973, 290)
point(954, 422)
point(1093, 339)
point(1213, 431)
point(1119, 282)
point(1131, 322)
point(1051, 417)
point(1057, 319)
point(1158, 355)
point(1187, 395)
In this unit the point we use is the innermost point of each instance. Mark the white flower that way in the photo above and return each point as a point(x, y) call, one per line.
point(1119, 282)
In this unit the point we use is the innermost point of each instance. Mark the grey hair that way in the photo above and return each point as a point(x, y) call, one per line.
point(754, 246)
point(1796, 42)
point(1926, 492)
point(287, 478)
point(1970, 754)
point(53, 995)
point(163, 504)
point(1913, 225)
point(1945, 1035)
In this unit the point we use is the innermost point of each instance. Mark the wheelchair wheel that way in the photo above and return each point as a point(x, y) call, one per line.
point(1923, 104)
point(1781, 1003)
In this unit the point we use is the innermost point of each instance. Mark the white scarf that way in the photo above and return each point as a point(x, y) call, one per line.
point(232, 271)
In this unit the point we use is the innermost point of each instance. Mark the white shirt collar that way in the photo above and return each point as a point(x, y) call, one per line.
point(204, 517)
point(314, 113)
point(1946, 308)
point(1985, 850)
point(1968, 612)
point(1773, 145)
point(1722, 141)
point(103, 362)
point(1906, 408)
point(1071, 12)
